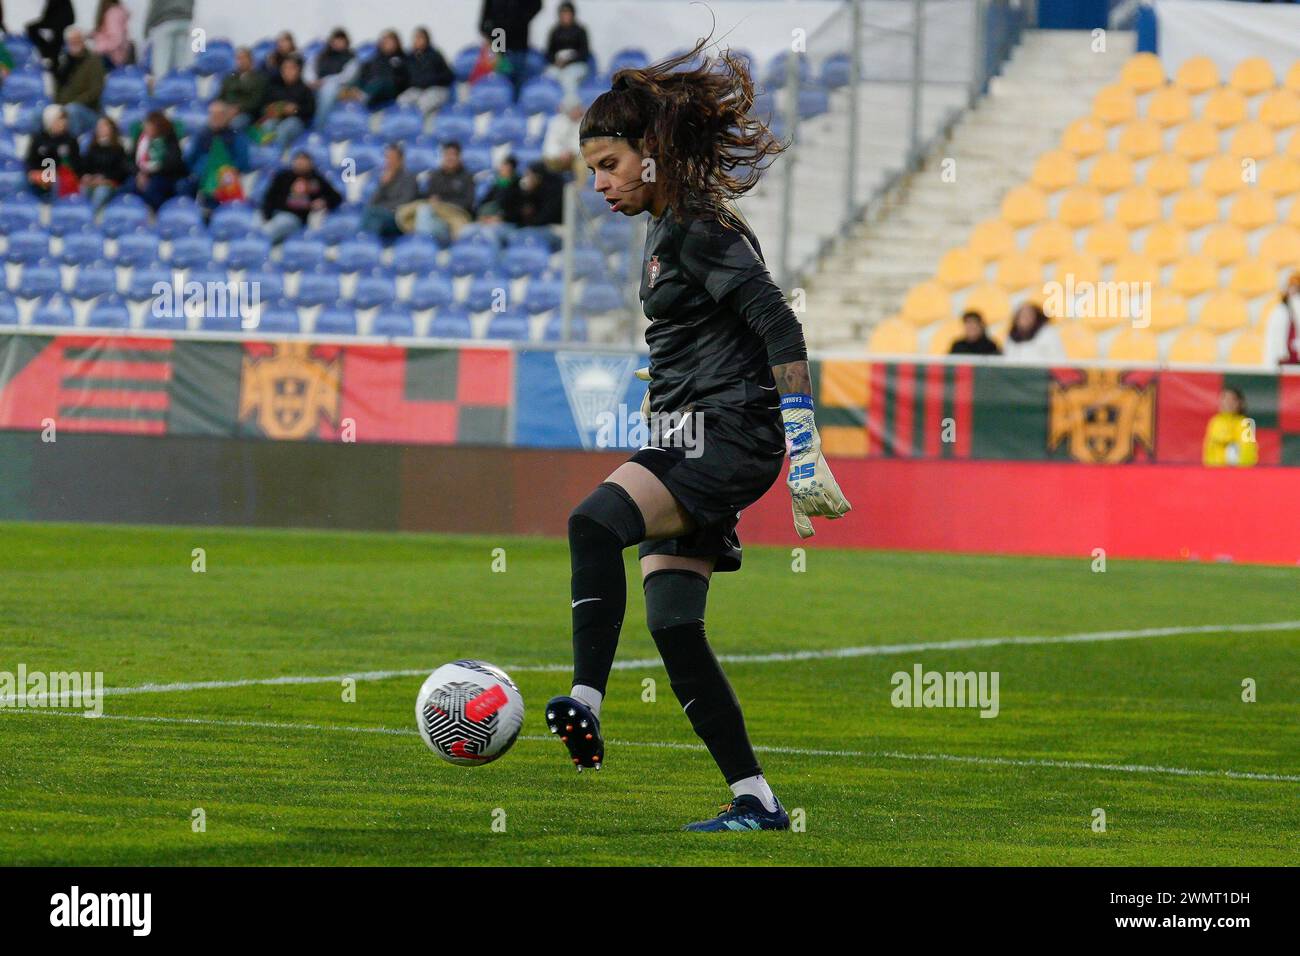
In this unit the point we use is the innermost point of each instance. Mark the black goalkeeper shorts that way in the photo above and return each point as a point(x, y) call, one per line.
point(741, 453)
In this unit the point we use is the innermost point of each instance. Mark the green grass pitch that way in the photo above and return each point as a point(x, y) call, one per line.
point(1143, 728)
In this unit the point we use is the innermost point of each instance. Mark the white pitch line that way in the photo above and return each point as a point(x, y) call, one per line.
point(776, 657)
point(669, 745)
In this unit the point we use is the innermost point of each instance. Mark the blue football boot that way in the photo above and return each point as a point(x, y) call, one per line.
point(579, 729)
point(746, 812)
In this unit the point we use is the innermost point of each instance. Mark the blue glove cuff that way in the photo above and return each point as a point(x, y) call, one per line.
point(796, 400)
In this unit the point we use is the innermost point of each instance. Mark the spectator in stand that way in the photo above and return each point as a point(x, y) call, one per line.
point(541, 197)
point(512, 18)
point(283, 49)
point(217, 156)
point(1282, 333)
point(46, 31)
point(112, 40)
point(1230, 435)
point(567, 51)
point(560, 150)
point(53, 156)
point(294, 194)
point(79, 83)
point(1033, 338)
point(334, 68)
point(290, 104)
point(397, 187)
point(156, 155)
point(501, 202)
point(429, 75)
point(448, 202)
point(6, 58)
point(383, 77)
point(245, 88)
point(105, 165)
point(167, 28)
point(975, 338)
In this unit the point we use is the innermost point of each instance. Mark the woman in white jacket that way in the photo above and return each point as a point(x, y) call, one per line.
point(1033, 338)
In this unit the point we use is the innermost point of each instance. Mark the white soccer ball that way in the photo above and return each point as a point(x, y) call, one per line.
point(469, 712)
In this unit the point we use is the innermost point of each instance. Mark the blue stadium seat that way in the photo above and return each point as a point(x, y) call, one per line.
point(554, 329)
point(400, 123)
point(614, 234)
point(512, 326)
point(217, 60)
point(233, 221)
point(109, 313)
point(588, 261)
point(27, 247)
point(20, 48)
point(317, 288)
point(543, 237)
point(836, 71)
point(28, 118)
point(124, 88)
point(492, 94)
point(300, 254)
point(22, 87)
point(8, 310)
point(813, 102)
point(508, 127)
point(365, 157)
point(592, 87)
point(373, 290)
point(451, 126)
point(38, 280)
point(451, 323)
point(414, 255)
point(357, 255)
point(462, 64)
point(477, 158)
point(542, 95)
point(262, 156)
point(542, 295)
point(633, 58)
point(367, 50)
point(346, 122)
point(336, 321)
point(81, 248)
point(69, 216)
point(430, 292)
point(471, 258)
point(279, 319)
point(191, 252)
point(487, 292)
point(175, 88)
point(12, 182)
point(421, 159)
point(137, 249)
point(774, 75)
point(19, 213)
point(165, 322)
point(93, 281)
point(250, 252)
point(525, 261)
point(53, 310)
point(143, 281)
point(179, 216)
point(340, 225)
point(600, 297)
point(123, 214)
point(394, 321)
point(269, 285)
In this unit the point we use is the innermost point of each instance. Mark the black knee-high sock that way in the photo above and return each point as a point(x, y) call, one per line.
point(599, 529)
point(675, 601)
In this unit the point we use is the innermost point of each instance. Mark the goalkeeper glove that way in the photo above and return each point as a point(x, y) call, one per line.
point(644, 375)
point(813, 489)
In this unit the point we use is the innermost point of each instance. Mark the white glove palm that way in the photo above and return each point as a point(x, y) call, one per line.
point(644, 375)
point(813, 489)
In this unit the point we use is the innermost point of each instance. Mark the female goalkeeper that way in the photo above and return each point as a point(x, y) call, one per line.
point(675, 140)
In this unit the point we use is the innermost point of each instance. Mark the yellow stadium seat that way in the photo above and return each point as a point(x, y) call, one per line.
point(1280, 176)
point(1080, 206)
point(1193, 346)
point(1018, 270)
point(1194, 275)
point(989, 300)
point(1079, 267)
point(1280, 110)
point(1168, 173)
point(1049, 241)
point(1168, 310)
point(1141, 138)
point(1252, 75)
point(943, 336)
point(1195, 208)
point(1107, 240)
point(1138, 206)
point(1134, 345)
point(992, 238)
point(1223, 312)
point(1252, 140)
point(1253, 278)
point(1111, 172)
point(1080, 344)
point(1247, 349)
point(1197, 75)
point(1293, 145)
point(1169, 106)
point(927, 302)
point(1222, 176)
point(1280, 247)
point(959, 268)
point(1252, 209)
point(1136, 268)
point(1196, 140)
point(1143, 72)
point(1165, 242)
point(1292, 79)
point(1114, 104)
point(1224, 107)
point(1084, 137)
point(892, 337)
point(1055, 169)
point(1224, 243)
point(1024, 205)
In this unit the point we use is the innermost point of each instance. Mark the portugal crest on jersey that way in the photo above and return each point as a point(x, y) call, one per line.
point(652, 271)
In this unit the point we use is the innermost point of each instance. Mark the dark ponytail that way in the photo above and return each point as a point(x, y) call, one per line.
point(694, 123)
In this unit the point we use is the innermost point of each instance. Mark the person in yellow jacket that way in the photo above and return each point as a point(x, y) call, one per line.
point(1230, 435)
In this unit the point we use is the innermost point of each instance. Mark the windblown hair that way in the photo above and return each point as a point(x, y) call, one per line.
point(691, 114)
